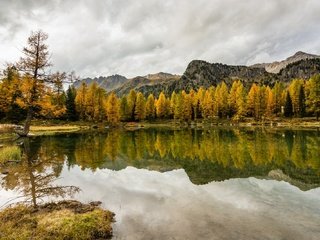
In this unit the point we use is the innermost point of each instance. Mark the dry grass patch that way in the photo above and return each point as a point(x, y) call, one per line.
point(62, 220)
point(10, 153)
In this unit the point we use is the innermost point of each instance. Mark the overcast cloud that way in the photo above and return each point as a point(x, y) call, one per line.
point(137, 37)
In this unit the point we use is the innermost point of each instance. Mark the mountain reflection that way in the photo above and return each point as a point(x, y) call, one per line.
point(206, 155)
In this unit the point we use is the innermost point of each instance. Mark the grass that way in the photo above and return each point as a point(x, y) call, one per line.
point(51, 130)
point(10, 153)
point(62, 220)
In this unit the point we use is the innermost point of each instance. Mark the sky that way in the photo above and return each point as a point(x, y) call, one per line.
point(138, 37)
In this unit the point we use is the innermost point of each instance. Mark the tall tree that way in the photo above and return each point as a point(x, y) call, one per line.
point(131, 98)
point(240, 102)
point(302, 102)
point(288, 109)
point(161, 106)
point(150, 107)
point(112, 107)
point(313, 98)
point(34, 64)
point(71, 113)
point(140, 109)
point(125, 114)
point(81, 102)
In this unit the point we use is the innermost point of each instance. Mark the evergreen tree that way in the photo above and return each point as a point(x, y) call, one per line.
point(71, 113)
point(288, 110)
point(302, 102)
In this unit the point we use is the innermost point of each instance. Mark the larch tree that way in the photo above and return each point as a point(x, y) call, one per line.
point(207, 105)
point(140, 109)
point(294, 89)
point(112, 107)
point(232, 99)
point(186, 106)
point(125, 114)
point(150, 107)
point(34, 65)
point(313, 98)
point(131, 99)
point(221, 100)
point(161, 106)
point(252, 98)
point(240, 102)
point(277, 95)
point(81, 101)
point(271, 103)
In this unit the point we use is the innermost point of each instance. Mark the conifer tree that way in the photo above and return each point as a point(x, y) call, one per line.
point(150, 107)
point(131, 99)
point(288, 111)
point(240, 102)
point(208, 104)
point(302, 102)
point(313, 98)
point(81, 101)
point(252, 99)
point(71, 113)
point(161, 106)
point(140, 109)
point(125, 113)
point(277, 95)
point(112, 109)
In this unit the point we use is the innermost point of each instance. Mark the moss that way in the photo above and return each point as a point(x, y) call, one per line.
point(10, 153)
point(63, 220)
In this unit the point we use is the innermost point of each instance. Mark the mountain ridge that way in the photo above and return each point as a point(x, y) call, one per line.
point(202, 73)
point(277, 66)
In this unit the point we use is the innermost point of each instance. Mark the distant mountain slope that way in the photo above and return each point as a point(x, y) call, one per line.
point(201, 73)
point(108, 83)
point(149, 81)
point(276, 67)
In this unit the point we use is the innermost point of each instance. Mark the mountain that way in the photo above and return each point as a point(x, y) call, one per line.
point(276, 67)
point(201, 73)
point(150, 81)
point(108, 83)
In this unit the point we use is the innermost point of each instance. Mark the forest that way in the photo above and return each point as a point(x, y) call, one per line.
point(28, 91)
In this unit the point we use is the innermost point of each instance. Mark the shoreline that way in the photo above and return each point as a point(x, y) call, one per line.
point(40, 128)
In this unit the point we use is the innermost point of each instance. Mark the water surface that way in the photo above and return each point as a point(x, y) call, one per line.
point(184, 184)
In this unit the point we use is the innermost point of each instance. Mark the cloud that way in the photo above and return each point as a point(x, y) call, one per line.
point(139, 37)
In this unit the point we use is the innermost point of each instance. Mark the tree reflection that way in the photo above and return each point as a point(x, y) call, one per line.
point(206, 155)
point(36, 174)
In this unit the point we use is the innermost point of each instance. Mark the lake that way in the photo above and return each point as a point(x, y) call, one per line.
point(218, 183)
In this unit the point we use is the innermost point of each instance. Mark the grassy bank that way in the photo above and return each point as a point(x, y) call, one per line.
point(9, 153)
point(62, 220)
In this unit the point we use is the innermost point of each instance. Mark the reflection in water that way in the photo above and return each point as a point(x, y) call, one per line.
point(190, 184)
point(206, 155)
point(36, 174)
